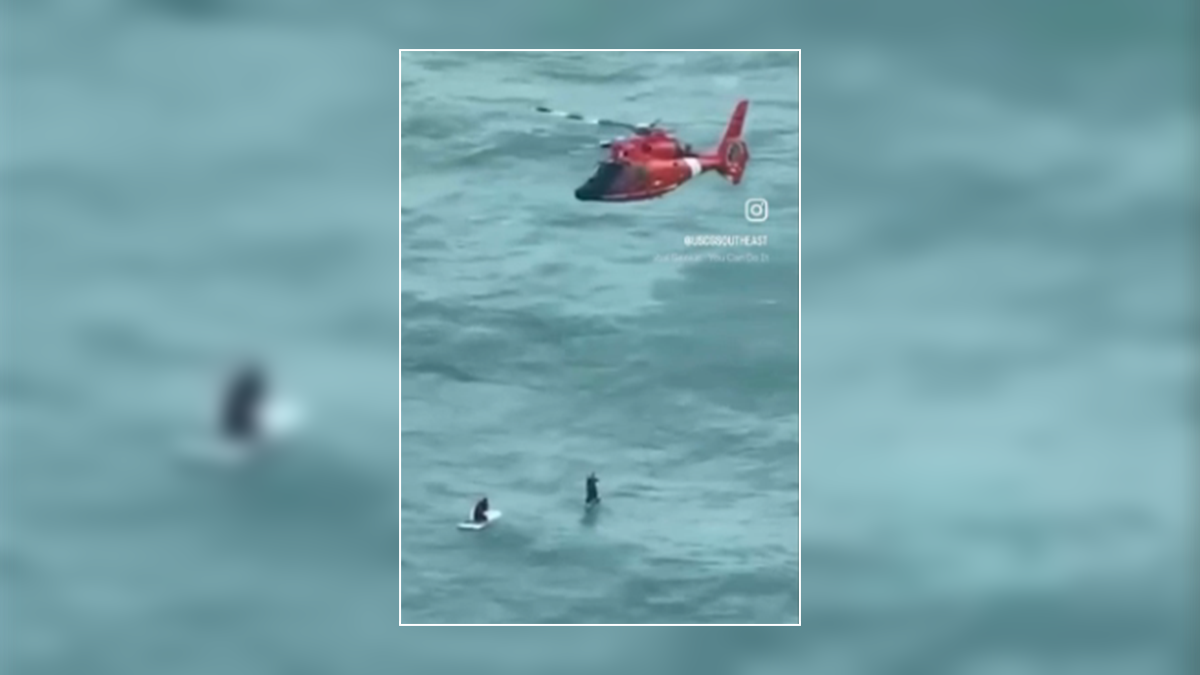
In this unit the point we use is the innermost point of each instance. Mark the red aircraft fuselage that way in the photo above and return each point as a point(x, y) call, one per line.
point(654, 163)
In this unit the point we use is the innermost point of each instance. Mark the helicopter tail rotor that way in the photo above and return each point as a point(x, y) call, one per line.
point(733, 153)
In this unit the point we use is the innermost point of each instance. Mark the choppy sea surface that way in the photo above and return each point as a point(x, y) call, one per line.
point(1000, 312)
point(544, 339)
point(167, 216)
point(1001, 304)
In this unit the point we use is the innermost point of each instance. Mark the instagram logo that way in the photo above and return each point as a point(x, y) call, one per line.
point(757, 210)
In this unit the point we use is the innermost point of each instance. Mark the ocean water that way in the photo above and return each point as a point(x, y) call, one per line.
point(544, 338)
point(1001, 245)
point(165, 217)
point(1000, 310)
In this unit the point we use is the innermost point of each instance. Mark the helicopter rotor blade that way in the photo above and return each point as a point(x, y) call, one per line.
point(597, 121)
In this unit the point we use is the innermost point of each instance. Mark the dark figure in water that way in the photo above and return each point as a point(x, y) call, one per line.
point(593, 494)
point(241, 411)
point(481, 509)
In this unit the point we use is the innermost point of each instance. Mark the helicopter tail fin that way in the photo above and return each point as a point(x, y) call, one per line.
point(733, 151)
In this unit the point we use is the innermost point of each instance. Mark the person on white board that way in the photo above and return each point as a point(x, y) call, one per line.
point(481, 511)
point(242, 407)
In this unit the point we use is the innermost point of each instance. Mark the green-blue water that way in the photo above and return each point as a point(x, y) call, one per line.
point(999, 346)
point(1001, 308)
point(545, 338)
point(168, 216)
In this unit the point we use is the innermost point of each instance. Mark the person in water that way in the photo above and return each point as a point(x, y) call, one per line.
point(481, 511)
point(593, 494)
point(241, 410)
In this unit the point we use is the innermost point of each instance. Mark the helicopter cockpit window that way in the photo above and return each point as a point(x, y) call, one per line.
point(603, 181)
point(607, 171)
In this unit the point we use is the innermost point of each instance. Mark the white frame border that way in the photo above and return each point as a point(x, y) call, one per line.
point(399, 190)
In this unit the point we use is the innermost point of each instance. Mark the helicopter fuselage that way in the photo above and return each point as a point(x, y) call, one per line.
point(652, 162)
point(656, 144)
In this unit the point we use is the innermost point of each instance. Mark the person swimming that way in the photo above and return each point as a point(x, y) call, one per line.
point(242, 406)
point(481, 511)
point(593, 494)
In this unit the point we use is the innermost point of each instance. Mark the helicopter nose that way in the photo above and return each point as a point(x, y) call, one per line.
point(587, 194)
point(600, 184)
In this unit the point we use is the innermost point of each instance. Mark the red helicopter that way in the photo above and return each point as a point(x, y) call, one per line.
point(652, 162)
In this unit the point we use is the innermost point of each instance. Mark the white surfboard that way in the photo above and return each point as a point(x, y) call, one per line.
point(282, 418)
point(492, 516)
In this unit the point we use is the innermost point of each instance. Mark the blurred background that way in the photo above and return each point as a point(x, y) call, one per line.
point(1001, 302)
point(999, 255)
point(188, 185)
